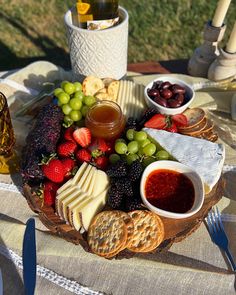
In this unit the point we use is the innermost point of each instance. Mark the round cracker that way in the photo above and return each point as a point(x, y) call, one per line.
point(148, 231)
point(107, 233)
point(129, 225)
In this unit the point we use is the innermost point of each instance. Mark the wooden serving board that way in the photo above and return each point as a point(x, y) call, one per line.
point(175, 229)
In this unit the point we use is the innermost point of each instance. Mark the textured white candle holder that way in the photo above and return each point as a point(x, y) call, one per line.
point(224, 66)
point(100, 53)
point(204, 55)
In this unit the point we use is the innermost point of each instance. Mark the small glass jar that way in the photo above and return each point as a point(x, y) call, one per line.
point(105, 120)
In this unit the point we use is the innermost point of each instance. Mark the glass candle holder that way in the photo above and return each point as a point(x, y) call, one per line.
point(8, 162)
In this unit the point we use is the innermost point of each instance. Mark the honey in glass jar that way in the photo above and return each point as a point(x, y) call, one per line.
point(105, 120)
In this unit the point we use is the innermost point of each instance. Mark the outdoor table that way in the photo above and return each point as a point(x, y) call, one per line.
point(192, 266)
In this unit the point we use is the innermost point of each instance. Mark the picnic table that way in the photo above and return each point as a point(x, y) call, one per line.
point(192, 266)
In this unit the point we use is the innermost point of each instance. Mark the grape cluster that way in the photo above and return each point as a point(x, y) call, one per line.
point(137, 146)
point(73, 102)
point(124, 191)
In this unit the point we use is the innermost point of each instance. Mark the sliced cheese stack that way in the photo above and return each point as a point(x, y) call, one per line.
point(82, 197)
point(131, 99)
point(205, 157)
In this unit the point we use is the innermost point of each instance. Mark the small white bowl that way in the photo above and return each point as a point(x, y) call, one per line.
point(170, 111)
point(189, 172)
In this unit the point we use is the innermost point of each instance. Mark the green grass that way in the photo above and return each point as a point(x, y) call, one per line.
point(158, 30)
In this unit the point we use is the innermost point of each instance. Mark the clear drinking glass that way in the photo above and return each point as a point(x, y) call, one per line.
point(8, 159)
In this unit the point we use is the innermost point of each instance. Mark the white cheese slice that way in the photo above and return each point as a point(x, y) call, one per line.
point(101, 183)
point(207, 158)
point(74, 196)
point(65, 186)
point(59, 198)
point(131, 98)
point(94, 206)
point(74, 209)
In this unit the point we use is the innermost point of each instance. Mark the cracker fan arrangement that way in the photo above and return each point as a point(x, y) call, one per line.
point(85, 156)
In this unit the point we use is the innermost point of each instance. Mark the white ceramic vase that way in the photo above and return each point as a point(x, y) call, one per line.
point(101, 53)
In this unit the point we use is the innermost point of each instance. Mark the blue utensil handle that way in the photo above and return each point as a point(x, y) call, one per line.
point(230, 258)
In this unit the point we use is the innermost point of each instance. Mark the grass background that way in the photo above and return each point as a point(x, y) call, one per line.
point(159, 29)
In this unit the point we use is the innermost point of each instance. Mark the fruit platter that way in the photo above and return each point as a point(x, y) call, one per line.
point(89, 166)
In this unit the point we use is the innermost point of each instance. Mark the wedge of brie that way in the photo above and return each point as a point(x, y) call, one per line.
point(207, 158)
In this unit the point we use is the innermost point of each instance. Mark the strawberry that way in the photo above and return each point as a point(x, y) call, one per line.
point(180, 120)
point(172, 128)
point(54, 170)
point(68, 134)
point(158, 121)
point(49, 193)
point(69, 166)
point(83, 155)
point(97, 147)
point(82, 136)
point(101, 162)
point(66, 149)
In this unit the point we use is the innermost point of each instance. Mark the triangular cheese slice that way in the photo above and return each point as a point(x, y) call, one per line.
point(101, 183)
point(91, 209)
point(59, 198)
point(207, 158)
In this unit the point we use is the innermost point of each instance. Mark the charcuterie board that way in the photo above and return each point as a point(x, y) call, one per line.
point(99, 194)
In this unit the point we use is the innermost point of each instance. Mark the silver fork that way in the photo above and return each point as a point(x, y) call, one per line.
point(218, 235)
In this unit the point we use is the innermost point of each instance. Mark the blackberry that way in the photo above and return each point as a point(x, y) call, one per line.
point(148, 114)
point(115, 198)
point(131, 124)
point(119, 169)
point(123, 185)
point(135, 170)
point(133, 204)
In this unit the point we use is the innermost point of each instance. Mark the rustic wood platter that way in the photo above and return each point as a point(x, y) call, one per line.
point(176, 230)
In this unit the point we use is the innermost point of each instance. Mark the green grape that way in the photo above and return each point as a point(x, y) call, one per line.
point(57, 91)
point(59, 103)
point(114, 158)
point(147, 161)
point(84, 110)
point(75, 115)
point(143, 143)
point(149, 149)
point(133, 147)
point(78, 86)
point(66, 109)
point(79, 95)
point(68, 120)
point(121, 148)
point(162, 155)
point(63, 83)
point(69, 88)
point(120, 140)
point(131, 158)
point(140, 136)
point(89, 100)
point(130, 134)
point(63, 97)
point(75, 104)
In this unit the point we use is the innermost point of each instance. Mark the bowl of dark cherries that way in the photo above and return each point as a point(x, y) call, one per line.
point(168, 95)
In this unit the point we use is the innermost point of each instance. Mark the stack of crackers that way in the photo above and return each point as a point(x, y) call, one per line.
point(198, 125)
point(102, 89)
point(113, 231)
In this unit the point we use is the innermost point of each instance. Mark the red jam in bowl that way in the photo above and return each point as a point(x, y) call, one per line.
point(169, 190)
